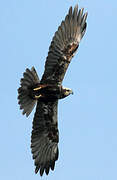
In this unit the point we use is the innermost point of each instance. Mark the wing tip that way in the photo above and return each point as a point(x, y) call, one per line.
point(75, 9)
point(70, 10)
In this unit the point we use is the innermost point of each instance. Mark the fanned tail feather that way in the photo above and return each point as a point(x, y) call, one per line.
point(26, 102)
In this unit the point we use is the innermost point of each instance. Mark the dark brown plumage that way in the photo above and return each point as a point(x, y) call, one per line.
point(47, 92)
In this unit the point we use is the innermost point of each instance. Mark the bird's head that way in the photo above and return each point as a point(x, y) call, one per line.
point(66, 92)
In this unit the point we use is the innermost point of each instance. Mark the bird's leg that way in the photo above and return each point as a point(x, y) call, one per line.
point(38, 88)
point(38, 91)
point(37, 97)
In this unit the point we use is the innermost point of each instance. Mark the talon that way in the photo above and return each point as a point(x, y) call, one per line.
point(35, 89)
point(37, 97)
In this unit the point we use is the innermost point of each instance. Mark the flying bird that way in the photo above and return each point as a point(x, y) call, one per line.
point(46, 92)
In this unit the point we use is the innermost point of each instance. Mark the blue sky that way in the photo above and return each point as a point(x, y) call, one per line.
point(88, 119)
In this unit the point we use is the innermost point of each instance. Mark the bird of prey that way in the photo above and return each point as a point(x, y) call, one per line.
point(46, 92)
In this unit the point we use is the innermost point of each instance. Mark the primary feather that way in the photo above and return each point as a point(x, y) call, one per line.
point(44, 139)
point(64, 45)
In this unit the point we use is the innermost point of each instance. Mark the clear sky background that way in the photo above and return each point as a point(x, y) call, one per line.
point(88, 119)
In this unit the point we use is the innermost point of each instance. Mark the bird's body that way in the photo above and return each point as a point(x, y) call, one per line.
point(47, 91)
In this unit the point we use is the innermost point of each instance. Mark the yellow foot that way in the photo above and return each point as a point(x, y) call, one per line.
point(36, 89)
point(37, 97)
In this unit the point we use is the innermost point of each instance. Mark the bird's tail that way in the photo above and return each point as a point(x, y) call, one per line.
point(26, 102)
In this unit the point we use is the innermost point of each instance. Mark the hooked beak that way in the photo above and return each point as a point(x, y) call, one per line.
point(72, 92)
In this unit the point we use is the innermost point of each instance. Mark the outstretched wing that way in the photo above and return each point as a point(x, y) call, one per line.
point(44, 139)
point(64, 45)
